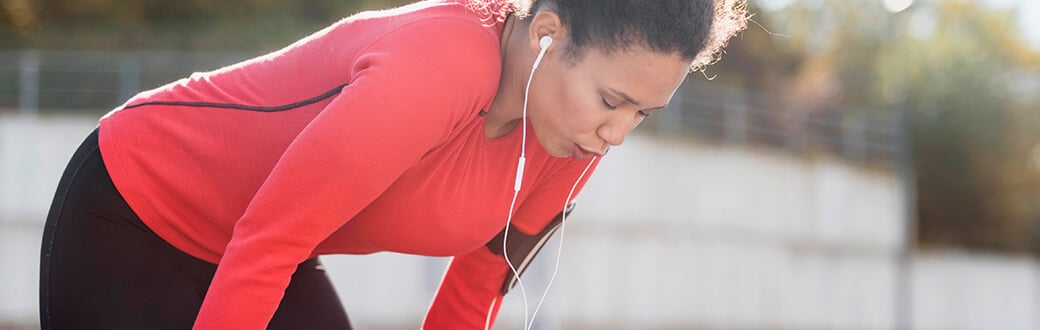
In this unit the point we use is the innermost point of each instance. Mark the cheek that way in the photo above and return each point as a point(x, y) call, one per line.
point(555, 101)
point(572, 104)
point(565, 104)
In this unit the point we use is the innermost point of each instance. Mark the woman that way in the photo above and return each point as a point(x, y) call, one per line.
point(205, 202)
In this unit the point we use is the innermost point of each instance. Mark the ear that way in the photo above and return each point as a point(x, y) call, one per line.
point(545, 23)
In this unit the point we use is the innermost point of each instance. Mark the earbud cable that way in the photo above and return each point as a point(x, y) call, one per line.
point(559, 252)
point(519, 180)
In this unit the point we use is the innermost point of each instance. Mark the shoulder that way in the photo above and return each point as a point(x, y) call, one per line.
point(450, 52)
point(454, 36)
point(434, 25)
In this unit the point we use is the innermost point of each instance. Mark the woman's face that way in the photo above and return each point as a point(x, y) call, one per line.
point(580, 107)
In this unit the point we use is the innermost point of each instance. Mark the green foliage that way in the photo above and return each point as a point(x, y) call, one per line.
point(969, 132)
point(971, 86)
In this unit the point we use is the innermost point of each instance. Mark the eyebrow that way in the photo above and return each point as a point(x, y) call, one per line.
point(631, 100)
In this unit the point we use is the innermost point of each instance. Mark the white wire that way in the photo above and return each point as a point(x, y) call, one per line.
point(519, 181)
point(505, 253)
point(487, 321)
point(559, 252)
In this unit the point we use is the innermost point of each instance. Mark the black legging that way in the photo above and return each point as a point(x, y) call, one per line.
point(102, 268)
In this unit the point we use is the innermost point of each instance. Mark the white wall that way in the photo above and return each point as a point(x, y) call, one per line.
point(960, 290)
point(682, 234)
point(33, 153)
point(667, 235)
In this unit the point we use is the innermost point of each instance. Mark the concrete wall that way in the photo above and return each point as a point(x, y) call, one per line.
point(668, 235)
point(961, 290)
point(33, 153)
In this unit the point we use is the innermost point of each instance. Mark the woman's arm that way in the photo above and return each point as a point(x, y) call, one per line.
point(408, 90)
point(473, 287)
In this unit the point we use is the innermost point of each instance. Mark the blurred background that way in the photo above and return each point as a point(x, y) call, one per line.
point(861, 164)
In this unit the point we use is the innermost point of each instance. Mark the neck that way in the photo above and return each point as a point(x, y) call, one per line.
point(506, 108)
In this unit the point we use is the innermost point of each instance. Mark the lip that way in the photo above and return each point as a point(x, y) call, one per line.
point(582, 154)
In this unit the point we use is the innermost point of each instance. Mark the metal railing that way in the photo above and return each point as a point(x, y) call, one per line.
point(32, 81)
point(712, 112)
point(70, 81)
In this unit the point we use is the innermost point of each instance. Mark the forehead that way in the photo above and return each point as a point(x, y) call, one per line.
point(652, 75)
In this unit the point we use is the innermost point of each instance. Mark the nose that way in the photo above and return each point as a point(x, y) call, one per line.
point(614, 131)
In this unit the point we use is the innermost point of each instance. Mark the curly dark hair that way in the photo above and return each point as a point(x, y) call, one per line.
point(696, 29)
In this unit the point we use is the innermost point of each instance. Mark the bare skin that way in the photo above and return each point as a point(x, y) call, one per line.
point(590, 103)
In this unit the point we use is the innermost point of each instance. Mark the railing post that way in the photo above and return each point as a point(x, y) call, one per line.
point(669, 122)
point(735, 116)
point(853, 138)
point(129, 77)
point(29, 82)
point(797, 127)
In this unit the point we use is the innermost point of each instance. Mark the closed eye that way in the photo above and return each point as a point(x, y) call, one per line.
point(608, 105)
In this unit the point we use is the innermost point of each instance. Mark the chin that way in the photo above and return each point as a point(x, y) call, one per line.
point(557, 151)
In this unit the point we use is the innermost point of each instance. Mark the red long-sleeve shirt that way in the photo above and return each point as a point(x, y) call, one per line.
point(363, 137)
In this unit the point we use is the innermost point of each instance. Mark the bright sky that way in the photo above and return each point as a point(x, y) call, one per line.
point(1028, 12)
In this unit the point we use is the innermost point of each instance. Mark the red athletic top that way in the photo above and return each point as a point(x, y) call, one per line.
point(364, 137)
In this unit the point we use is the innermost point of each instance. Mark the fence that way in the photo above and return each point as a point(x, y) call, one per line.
point(71, 81)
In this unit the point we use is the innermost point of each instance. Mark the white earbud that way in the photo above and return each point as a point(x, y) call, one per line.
point(544, 44)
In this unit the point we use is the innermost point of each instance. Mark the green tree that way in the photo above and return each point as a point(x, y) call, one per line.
point(969, 80)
